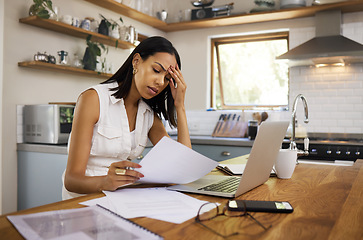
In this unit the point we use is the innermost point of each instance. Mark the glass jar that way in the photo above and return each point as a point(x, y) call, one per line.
point(252, 129)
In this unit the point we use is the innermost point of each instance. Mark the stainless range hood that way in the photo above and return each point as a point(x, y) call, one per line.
point(328, 46)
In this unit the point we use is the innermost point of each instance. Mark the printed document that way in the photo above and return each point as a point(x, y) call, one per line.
point(76, 224)
point(172, 162)
point(156, 203)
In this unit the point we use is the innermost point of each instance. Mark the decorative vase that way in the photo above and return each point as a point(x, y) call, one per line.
point(102, 28)
point(89, 60)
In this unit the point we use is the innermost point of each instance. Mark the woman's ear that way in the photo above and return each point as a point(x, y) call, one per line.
point(136, 60)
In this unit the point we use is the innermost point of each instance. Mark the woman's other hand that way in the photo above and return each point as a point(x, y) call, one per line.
point(120, 174)
point(178, 86)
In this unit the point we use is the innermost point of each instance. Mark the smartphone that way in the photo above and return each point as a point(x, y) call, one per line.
point(260, 206)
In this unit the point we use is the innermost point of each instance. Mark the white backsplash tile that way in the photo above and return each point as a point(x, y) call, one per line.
point(19, 123)
point(335, 97)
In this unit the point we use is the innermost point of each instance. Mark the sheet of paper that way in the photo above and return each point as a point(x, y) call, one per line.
point(235, 168)
point(103, 201)
point(157, 203)
point(238, 169)
point(172, 162)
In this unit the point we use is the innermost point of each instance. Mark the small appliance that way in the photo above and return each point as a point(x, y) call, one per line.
point(47, 123)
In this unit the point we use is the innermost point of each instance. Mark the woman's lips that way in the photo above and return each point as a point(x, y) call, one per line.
point(153, 91)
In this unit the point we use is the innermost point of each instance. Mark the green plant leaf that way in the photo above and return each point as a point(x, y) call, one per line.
point(50, 5)
point(43, 13)
point(38, 2)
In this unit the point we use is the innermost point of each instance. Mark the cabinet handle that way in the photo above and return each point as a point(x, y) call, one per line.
point(226, 153)
point(140, 157)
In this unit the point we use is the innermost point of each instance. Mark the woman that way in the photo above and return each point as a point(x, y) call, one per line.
point(113, 120)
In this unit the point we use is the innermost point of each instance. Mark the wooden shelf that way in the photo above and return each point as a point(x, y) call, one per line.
point(63, 69)
point(74, 31)
point(129, 12)
point(276, 15)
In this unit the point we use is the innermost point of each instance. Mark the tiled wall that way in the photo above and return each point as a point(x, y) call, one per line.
point(335, 97)
point(334, 94)
point(19, 123)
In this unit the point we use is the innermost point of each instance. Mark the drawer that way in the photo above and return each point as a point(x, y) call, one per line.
point(220, 153)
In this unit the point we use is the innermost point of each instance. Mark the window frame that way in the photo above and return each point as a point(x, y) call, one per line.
point(215, 42)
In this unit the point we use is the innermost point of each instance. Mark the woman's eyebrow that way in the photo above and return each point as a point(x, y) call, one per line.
point(160, 66)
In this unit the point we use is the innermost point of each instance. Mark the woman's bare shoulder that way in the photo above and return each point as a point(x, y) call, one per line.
point(88, 104)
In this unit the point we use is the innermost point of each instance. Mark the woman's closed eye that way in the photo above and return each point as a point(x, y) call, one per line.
point(155, 70)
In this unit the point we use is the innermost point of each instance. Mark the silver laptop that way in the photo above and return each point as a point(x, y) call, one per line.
point(257, 171)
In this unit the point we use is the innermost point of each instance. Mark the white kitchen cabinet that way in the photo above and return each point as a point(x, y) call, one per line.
point(221, 152)
point(39, 178)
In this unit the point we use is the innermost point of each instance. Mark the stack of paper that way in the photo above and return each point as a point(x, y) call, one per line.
point(168, 162)
point(157, 203)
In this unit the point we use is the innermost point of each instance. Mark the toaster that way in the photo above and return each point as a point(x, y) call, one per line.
point(47, 123)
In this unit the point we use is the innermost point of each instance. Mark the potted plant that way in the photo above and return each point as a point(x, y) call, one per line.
point(92, 51)
point(106, 26)
point(41, 8)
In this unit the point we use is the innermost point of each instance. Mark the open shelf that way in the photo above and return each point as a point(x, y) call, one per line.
point(276, 15)
point(63, 69)
point(130, 12)
point(74, 31)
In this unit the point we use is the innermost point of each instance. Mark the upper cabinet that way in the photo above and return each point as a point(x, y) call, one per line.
point(283, 14)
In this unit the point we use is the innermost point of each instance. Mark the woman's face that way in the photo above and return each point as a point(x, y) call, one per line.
point(152, 74)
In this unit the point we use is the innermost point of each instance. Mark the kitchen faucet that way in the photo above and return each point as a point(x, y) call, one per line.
point(293, 123)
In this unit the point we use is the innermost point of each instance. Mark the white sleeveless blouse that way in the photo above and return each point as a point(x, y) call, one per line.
point(112, 140)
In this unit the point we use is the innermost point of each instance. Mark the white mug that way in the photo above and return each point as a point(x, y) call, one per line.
point(67, 19)
point(285, 163)
point(124, 33)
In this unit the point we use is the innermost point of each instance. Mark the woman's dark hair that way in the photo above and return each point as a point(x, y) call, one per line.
point(163, 103)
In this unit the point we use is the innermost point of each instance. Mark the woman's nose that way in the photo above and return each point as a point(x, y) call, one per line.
point(160, 80)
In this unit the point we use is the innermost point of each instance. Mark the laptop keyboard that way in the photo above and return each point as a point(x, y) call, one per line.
point(228, 185)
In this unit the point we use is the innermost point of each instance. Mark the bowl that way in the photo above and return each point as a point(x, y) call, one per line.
point(202, 3)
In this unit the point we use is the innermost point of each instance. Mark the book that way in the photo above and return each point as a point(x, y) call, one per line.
point(95, 222)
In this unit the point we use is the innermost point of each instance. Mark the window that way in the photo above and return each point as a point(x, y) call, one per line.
point(245, 74)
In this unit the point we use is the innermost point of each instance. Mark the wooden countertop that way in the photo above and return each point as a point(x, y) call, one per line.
point(327, 203)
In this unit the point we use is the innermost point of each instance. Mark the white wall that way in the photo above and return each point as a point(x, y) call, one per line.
point(1, 90)
point(29, 86)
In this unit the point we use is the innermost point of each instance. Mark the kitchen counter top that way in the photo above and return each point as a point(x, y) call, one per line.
point(196, 139)
point(43, 148)
point(199, 140)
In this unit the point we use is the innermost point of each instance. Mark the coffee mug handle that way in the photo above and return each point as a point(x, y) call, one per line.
point(127, 37)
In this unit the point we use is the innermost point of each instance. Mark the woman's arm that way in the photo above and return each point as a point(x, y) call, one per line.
point(85, 117)
point(178, 91)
